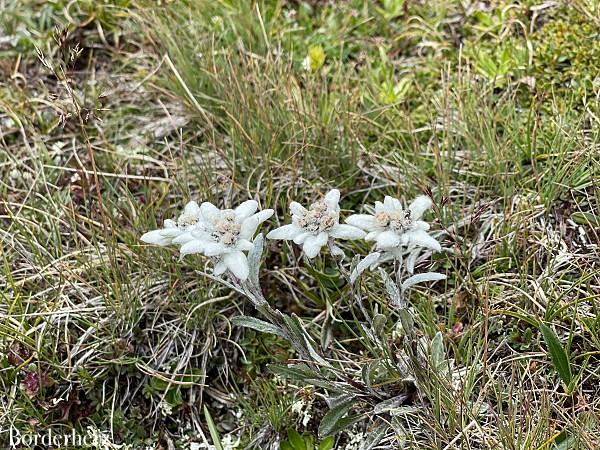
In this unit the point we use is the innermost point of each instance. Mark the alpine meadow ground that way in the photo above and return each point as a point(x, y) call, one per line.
point(114, 115)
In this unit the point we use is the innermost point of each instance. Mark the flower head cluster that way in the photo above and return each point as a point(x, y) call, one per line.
point(312, 228)
point(223, 235)
point(174, 229)
point(394, 228)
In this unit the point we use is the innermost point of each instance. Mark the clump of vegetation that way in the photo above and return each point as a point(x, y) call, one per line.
point(567, 53)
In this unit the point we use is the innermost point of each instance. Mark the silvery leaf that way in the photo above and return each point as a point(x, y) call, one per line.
point(303, 338)
point(337, 252)
point(333, 421)
point(363, 265)
point(375, 437)
point(408, 324)
point(420, 278)
point(379, 322)
point(392, 290)
point(254, 257)
point(438, 354)
point(326, 333)
point(257, 324)
point(412, 259)
point(390, 404)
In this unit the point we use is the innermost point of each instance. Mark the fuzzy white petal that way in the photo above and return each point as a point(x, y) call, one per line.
point(337, 251)
point(379, 207)
point(286, 232)
point(250, 224)
point(192, 209)
point(219, 268)
point(213, 249)
point(341, 231)
point(210, 212)
point(156, 237)
point(420, 237)
point(372, 236)
point(332, 198)
point(237, 263)
point(192, 247)
point(170, 232)
point(419, 205)
point(387, 240)
point(392, 204)
point(183, 238)
point(246, 209)
point(420, 225)
point(199, 233)
point(263, 215)
point(170, 223)
point(297, 209)
point(244, 245)
point(313, 244)
point(302, 237)
point(363, 221)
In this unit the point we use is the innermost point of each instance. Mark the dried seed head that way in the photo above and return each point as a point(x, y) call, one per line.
point(326, 222)
point(317, 218)
point(400, 221)
point(382, 219)
point(186, 220)
point(227, 230)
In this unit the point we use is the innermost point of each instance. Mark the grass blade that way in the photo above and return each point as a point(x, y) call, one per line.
point(214, 434)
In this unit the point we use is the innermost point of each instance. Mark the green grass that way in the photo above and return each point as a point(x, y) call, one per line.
point(210, 101)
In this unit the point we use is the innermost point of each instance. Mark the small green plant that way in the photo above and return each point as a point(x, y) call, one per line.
point(559, 355)
point(305, 441)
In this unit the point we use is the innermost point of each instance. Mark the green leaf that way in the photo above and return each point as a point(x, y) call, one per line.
point(345, 423)
point(298, 372)
point(558, 354)
point(296, 440)
point(214, 434)
point(563, 441)
point(379, 322)
point(408, 324)
point(256, 324)
point(327, 443)
point(335, 417)
point(326, 333)
point(304, 339)
point(586, 218)
point(375, 437)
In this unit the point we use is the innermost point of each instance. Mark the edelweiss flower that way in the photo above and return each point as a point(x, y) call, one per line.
point(393, 227)
point(313, 227)
point(225, 235)
point(174, 228)
point(220, 234)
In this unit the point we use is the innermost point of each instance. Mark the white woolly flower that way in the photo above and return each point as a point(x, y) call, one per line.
point(313, 227)
point(393, 227)
point(220, 234)
point(174, 228)
point(225, 235)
